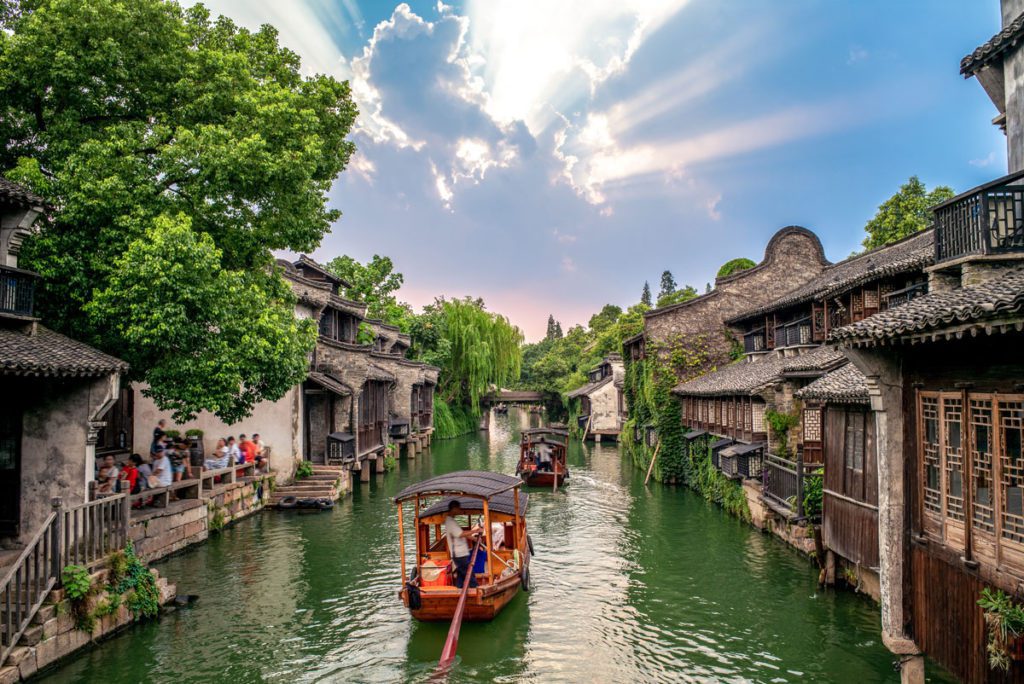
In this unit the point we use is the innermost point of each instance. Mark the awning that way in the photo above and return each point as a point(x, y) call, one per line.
point(724, 442)
point(374, 372)
point(695, 434)
point(330, 384)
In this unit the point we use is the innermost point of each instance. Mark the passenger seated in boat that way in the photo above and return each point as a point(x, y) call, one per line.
point(458, 547)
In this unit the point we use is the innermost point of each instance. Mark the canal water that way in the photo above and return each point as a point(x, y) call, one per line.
point(631, 584)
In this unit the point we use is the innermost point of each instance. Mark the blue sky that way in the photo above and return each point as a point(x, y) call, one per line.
point(552, 156)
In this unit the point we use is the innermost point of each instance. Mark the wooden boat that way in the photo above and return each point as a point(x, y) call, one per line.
point(534, 468)
point(491, 500)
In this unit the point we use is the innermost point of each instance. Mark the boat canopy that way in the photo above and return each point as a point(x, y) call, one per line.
point(500, 503)
point(546, 431)
point(473, 483)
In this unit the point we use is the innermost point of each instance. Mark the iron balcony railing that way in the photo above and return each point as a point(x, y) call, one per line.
point(986, 220)
point(17, 291)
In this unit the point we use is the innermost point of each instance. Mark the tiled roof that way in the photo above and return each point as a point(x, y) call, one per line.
point(738, 378)
point(996, 46)
point(846, 385)
point(375, 372)
point(993, 305)
point(330, 383)
point(18, 194)
point(38, 351)
point(588, 388)
point(821, 359)
point(909, 254)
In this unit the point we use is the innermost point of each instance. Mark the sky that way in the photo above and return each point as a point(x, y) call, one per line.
point(552, 156)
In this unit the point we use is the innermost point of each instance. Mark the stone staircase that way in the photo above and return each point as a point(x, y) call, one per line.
point(326, 482)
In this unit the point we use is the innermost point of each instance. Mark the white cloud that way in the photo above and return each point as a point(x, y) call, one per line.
point(568, 265)
point(857, 54)
point(985, 161)
point(711, 205)
point(564, 238)
point(542, 57)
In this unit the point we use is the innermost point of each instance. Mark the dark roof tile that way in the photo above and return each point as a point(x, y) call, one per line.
point(38, 351)
point(19, 194)
point(987, 305)
point(738, 378)
point(993, 48)
point(845, 385)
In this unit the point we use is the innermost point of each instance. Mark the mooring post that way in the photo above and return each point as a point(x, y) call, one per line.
point(364, 469)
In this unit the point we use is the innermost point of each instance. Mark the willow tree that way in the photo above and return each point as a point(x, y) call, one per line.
point(475, 348)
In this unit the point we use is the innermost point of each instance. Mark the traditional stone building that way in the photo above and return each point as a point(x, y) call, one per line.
point(793, 256)
point(601, 409)
point(54, 391)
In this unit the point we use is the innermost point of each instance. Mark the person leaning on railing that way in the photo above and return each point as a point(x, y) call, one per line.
point(222, 459)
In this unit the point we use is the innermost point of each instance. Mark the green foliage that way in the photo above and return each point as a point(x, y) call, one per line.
point(452, 421)
point(169, 292)
point(1005, 622)
point(176, 162)
point(77, 582)
point(303, 470)
point(78, 588)
point(107, 607)
point(173, 435)
point(117, 566)
point(905, 213)
point(217, 520)
point(781, 424)
point(735, 266)
point(668, 284)
point(645, 295)
point(677, 296)
point(554, 330)
point(374, 284)
point(390, 460)
point(813, 492)
point(474, 348)
point(366, 334)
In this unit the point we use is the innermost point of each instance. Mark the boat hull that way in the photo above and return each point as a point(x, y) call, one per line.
point(481, 606)
point(543, 478)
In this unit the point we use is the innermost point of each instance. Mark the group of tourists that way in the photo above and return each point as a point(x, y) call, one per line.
point(173, 460)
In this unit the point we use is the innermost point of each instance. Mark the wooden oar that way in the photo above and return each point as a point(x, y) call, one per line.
point(452, 642)
point(650, 468)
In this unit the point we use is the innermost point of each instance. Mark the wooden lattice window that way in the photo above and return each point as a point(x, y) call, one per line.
point(981, 464)
point(718, 411)
point(728, 414)
point(769, 332)
point(748, 415)
point(870, 300)
point(812, 424)
point(1011, 422)
point(930, 453)
point(953, 456)
point(853, 447)
point(759, 417)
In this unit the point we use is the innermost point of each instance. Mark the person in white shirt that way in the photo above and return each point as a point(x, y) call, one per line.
point(458, 547)
point(221, 460)
point(498, 535)
point(234, 453)
point(162, 467)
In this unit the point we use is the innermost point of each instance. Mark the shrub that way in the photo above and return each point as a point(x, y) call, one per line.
point(303, 470)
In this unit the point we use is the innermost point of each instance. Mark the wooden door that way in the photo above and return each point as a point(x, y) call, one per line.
point(10, 469)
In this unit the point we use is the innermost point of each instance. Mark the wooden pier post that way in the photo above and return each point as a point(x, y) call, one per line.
point(364, 470)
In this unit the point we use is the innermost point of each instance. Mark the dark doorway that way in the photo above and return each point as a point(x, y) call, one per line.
point(10, 469)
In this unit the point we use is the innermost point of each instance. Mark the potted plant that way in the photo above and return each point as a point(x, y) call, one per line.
point(1005, 622)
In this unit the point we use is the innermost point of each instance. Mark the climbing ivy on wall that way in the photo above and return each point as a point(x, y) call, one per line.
point(648, 393)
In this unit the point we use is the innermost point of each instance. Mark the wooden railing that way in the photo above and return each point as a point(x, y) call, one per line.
point(26, 584)
point(794, 333)
point(17, 291)
point(94, 530)
point(907, 294)
point(195, 487)
point(784, 482)
point(986, 220)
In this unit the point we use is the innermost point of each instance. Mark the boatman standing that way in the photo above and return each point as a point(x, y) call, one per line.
point(458, 547)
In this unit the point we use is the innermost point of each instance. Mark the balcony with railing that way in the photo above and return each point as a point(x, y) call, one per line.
point(987, 220)
point(17, 291)
point(794, 333)
point(907, 294)
point(754, 342)
point(784, 484)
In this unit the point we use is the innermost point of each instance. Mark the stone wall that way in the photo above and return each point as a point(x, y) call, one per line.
point(604, 409)
point(793, 257)
point(52, 636)
point(57, 449)
point(158, 533)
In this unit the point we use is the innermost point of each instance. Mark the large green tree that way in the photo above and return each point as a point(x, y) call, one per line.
point(905, 213)
point(169, 144)
point(375, 283)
